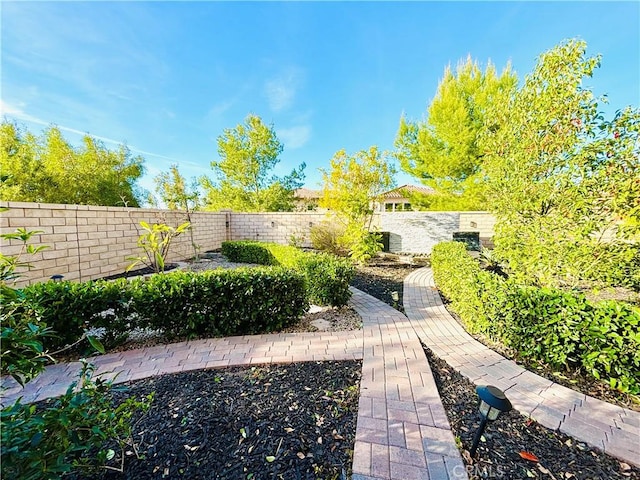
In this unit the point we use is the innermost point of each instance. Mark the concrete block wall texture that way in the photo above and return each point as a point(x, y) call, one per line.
point(275, 227)
point(89, 242)
point(481, 222)
point(85, 242)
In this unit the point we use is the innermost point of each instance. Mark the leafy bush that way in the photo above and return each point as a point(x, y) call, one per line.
point(220, 302)
point(326, 237)
point(551, 326)
point(364, 245)
point(73, 432)
point(155, 244)
point(213, 303)
point(327, 276)
point(248, 252)
point(70, 308)
point(22, 334)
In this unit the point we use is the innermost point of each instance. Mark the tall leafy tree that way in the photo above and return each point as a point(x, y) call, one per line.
point(49, 169)
point(172, 188)
point(445, 150)
point(562, 179)
point(351, 187)
point(244, 180)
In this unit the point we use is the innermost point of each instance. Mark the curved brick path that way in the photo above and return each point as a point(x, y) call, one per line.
point(611, 428)
point(402, 431)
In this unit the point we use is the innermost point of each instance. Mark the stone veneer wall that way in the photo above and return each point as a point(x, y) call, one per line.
point(418, 232)
point(88, 242)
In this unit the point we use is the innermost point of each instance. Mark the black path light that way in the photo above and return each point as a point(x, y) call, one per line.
point(57, 277)
point(492, 403)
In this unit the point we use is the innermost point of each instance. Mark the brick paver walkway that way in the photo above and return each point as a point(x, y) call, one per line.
point(402, 430)
point(611, 428)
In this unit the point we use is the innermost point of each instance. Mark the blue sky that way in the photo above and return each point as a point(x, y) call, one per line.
point(168, 77)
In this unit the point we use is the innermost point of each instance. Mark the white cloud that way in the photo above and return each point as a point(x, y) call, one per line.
point(281, 90)
point(294, 137)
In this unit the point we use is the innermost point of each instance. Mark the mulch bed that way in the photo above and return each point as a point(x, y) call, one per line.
point(381, 279)
point(229, 423)
point(279, 421)
point(499, 456)
point(139, 272)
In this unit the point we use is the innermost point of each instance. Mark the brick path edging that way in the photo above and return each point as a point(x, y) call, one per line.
point(614, 429)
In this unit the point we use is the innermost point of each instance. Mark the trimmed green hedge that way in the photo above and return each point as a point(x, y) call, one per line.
point(555, 327)
point(210, 303)
point(327, 276)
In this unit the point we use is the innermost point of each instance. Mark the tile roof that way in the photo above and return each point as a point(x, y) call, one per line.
point(400, 192)
point(307, 193)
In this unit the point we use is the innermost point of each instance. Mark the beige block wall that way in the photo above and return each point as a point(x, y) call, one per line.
point(87, 242)
point(482, 222)
point(276, 227)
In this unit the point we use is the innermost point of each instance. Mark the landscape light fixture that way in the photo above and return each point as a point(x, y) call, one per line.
point(57, 277)
point(492, 403)
point(273, 224)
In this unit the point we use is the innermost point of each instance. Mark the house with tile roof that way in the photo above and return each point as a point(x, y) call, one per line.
point(399, 199)
point(307, 200)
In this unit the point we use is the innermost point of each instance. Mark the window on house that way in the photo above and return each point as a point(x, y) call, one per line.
point(407, 207)
point(388, 207)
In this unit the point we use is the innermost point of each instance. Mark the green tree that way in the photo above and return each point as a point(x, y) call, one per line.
point(350, 190)
point(248, 154)
point(172, 188)
point(563, 181)
point(174, 192)
point(48, 169)
point(445, 151)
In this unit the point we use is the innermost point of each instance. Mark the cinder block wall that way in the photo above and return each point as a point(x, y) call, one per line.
point(481, 222)
point(275, 227)
point(87, 242)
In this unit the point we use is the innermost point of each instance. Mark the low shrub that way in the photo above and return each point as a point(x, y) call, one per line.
point(70, 308)
point(327, 276)
point(220, 302)
point(212, 303)
point(326, 237)
point(248, 252)
point(544, 325)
